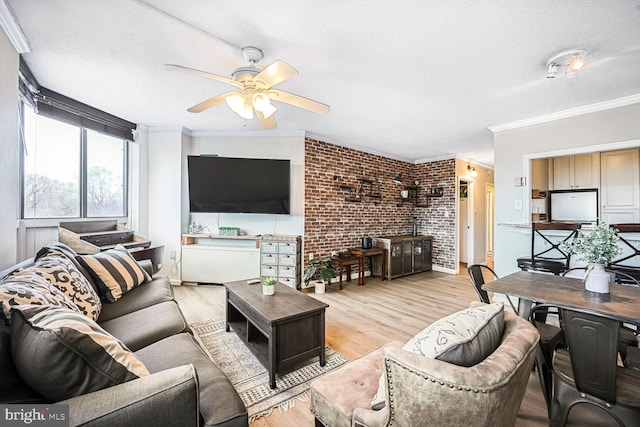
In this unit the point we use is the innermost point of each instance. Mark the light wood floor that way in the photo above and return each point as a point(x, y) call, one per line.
point(361, 318)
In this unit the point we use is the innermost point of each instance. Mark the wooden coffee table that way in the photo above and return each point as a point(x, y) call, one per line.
point(281, 330)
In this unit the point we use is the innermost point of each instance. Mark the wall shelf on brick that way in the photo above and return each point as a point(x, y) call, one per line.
point(358, 193)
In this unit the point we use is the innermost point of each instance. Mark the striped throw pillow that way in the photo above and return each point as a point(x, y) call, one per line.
point(114, 271)
point(61, 353)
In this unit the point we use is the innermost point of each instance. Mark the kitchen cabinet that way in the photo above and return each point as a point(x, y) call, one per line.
point(578, 171)
point(620, 186)
point(405, 254)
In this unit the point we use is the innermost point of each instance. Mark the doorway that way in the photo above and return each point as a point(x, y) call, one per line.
point(489, 214)
point(465, 221)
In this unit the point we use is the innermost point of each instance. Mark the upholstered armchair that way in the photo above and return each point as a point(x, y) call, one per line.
point(425, 391)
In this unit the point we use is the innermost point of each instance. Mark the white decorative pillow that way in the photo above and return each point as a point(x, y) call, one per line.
point(25, 286)
point(61, 353)
point(114, 271)
point(63, 274)
point(464, 338)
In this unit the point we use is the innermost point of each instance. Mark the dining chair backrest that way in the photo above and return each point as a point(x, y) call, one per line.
point(541, 238)
point(592, 340)
point(477, 280)
point(476, 277)
point(546, 253)
point(629, 261)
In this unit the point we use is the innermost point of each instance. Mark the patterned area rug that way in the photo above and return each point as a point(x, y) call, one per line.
point(249, 376)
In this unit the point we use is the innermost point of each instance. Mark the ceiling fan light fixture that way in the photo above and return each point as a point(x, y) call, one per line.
point(239, 106)
point(262, 103)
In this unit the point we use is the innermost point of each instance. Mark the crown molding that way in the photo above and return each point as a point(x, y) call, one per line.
point(12, 29)
point(334, 141)
point(473, 162)
point(244, 133)
point(565, 114)
point(435, 158)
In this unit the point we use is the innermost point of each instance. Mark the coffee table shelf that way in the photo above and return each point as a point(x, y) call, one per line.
point(281, 330)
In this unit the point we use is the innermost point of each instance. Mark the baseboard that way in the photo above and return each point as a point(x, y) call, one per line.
point(443, 269)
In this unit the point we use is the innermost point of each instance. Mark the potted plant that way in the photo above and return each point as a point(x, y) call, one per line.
point(269, 286)
point(322, 270)
point(598, 247)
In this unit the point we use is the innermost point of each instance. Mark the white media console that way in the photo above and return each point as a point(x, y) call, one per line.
point(218, 259)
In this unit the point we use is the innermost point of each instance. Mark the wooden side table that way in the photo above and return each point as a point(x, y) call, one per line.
point(368, 253)
point(346, 262)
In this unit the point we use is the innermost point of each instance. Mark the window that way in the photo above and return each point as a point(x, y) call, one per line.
point(71, 171)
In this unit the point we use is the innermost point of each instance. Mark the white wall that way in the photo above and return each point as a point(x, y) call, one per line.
point(601, 131)
point(283, 145)
point(167, 192)
point(164, 165)
point(10, 149)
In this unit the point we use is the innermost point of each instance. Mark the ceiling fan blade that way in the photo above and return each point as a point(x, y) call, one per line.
point(267, 123)
point(204, 74)
point(299, 101)
point(211, 102)
point(275, 73)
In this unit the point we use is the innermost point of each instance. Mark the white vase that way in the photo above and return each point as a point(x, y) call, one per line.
point(320, 287)
point(596, 279)
point(268, 289)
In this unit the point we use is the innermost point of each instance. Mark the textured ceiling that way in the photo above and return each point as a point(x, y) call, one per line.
point(413, 79)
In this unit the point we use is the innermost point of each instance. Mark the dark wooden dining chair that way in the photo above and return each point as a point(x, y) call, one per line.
point(629, 262)
point(546, 254)
point(587, 372)
point(155, 255)
point(550, 335)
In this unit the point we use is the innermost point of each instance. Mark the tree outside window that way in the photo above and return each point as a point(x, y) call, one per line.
point(71, 172)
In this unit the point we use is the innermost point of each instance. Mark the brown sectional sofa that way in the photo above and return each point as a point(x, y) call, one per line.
point(184, 386)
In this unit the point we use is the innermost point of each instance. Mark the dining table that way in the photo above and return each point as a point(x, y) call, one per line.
point(623, 301)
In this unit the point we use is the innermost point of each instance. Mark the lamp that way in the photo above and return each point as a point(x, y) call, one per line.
point(573, 61)
point(241, 106)
point(398, 179)
point(471, 171)
point(262, 103)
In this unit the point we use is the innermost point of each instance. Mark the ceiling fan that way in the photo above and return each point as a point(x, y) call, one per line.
point(254, 89)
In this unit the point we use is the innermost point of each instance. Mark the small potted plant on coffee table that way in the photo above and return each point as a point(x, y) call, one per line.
point(269, 286)
point(322, 270)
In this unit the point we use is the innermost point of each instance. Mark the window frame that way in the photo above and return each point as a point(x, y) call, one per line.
point(83, 183)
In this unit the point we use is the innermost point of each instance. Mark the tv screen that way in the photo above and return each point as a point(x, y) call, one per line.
point(573, 205)
point(226, 184)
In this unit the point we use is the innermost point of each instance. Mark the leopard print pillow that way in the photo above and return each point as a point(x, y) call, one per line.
point(26, 287)
point(63, 274)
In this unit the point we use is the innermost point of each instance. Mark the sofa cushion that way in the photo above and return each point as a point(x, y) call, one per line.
point(156, 291)
point(12, 388)
point(337, 393)
point(115, 272)
point(54, 266)
point(147, 325)
point(219, 401)
point(61, 353)
point(25, 286)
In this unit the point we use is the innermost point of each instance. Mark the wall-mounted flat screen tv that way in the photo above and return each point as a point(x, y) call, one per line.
point(573, 205)
point(239, 185)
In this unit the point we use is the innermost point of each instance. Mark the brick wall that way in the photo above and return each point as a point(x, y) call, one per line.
point(334, 224)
